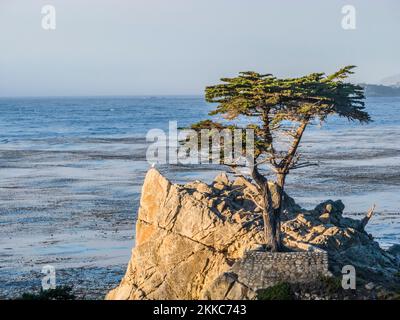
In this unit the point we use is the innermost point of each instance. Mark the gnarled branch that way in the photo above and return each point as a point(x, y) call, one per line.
point(366, 219)
point(304, 165)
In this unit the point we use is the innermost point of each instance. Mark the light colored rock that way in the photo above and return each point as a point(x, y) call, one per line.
point(239, 182)
point(221, 206)
point(222, 178)
point(325, 217)
point(345, 245)
point(185, 247)
point(182, 245)
point(226, 287)
point(219, 186)
point(201, 187)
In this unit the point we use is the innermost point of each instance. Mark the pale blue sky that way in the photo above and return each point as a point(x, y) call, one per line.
point(121, 47)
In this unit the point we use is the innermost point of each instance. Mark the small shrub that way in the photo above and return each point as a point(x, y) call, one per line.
point(59, 293)
point(331, 284)
point(280, 291)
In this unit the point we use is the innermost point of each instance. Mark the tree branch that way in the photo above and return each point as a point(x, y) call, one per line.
point(259, 178)
point(268, 134)
point(366, 219)
point(255, 201)
point(271, 160)
point(304, 165)
point(287, 160)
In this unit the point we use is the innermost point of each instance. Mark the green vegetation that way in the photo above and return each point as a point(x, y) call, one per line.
point(280, 291)
point(59, 293)
point(331, 284)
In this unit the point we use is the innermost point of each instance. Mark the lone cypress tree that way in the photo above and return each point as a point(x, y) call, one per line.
point(280, 106)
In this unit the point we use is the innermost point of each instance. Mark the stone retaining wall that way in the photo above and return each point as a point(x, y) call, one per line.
point(263, 269)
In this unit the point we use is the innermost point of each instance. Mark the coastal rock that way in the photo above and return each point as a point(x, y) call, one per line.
point(345, 242)
point(227, 287)
point(182, 244)
point(222, 178)
point(189, 237)
point(395, 251)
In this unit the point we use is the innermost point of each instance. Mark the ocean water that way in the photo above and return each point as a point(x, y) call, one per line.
point(71, 171)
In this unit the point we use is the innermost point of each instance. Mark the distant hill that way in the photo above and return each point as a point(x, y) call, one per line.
point(375, 90)
point(393, 81)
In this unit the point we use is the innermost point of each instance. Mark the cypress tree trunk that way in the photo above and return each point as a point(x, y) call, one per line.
point(270, 218)
point(271, 233)
point(271, 222)
point(280, 183)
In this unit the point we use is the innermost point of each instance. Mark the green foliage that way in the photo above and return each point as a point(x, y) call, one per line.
point(59, 293)
point(280, 291)
point(207, 124)
point(271, 103)
point(313, 96)
point(331, 284)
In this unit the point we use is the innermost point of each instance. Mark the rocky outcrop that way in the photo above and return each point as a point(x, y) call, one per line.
point(345, 241)
point(188, 237)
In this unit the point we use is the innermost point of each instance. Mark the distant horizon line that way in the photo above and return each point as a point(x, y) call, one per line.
point(134, 95)
point(106, 96)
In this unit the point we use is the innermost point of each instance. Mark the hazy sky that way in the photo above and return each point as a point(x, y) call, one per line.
point(112, 47)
